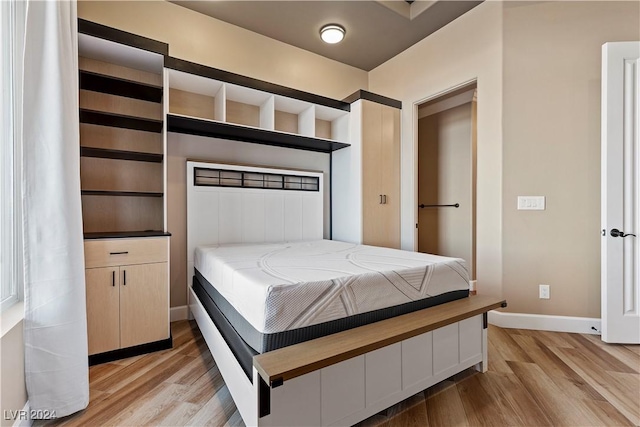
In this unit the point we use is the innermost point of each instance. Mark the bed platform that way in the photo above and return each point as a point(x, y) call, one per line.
point(339, 379)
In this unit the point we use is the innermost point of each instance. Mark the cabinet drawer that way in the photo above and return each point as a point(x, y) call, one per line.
point(114, 252)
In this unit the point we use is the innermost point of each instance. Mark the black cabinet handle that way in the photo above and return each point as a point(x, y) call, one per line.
point(380, 200)
point(124, 277)
point(119, 253)
point(113, 278)
point(385, 200)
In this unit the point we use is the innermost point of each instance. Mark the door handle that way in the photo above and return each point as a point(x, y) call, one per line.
point(113, 278)
point(385, 200)
point(617, 233)
point(124, 277)
point(380, 200)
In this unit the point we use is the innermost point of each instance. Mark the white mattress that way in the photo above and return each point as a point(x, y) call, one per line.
point(282, 286)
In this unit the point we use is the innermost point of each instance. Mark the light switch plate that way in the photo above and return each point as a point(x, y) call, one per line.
point(531, 203)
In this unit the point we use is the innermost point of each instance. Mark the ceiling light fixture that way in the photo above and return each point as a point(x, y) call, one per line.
point(332, 33)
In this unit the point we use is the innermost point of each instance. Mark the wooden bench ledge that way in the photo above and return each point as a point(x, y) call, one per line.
point(289, 362)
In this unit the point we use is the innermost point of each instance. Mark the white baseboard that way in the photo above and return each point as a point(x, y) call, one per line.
point(179, 313)
point(24, 420)
point(542, 322)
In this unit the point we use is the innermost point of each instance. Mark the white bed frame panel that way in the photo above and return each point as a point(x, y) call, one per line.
point(217, 215)
point(340, 394)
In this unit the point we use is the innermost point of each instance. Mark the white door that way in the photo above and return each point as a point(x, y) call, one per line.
point(620, 187)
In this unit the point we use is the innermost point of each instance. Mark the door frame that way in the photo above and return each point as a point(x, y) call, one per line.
point(416, 147)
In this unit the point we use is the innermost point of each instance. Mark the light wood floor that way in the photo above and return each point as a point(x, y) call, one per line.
point(535, 378)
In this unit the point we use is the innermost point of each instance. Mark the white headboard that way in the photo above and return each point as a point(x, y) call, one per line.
point(218, 214)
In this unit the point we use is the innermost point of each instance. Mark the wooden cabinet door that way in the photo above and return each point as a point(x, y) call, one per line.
point(380, 175)
point(390, 176)
point(103, 309)
point(144, 304)
point(372, 223)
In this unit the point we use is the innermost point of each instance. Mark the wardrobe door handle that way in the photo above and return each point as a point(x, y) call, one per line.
point(380, 200)
point(113, 278)
point(124, 277)
point(119, 253)
point(385, 199)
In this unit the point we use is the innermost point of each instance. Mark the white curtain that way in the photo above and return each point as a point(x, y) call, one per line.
point(55, 329)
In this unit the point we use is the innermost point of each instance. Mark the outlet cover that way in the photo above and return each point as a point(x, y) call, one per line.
point(544, 292)
point(531, 203)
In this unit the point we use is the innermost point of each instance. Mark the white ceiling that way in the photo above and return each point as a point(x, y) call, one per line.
point(376, 31)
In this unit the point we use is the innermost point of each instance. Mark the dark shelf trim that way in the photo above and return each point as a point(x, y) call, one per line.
point(120, 121)
point(125, 234)
point(104, 153)
point(240, 80)
point(123, 353)
point(121, 193)
point(200, 127)
point(121, 87)
point(122, 37)
point(373, 97)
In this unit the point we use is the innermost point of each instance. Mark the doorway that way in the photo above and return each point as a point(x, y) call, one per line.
point(447, 141)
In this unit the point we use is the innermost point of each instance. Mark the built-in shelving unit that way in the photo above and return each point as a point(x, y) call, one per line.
point(123, 173)
point(122, 138)
point(208, 102)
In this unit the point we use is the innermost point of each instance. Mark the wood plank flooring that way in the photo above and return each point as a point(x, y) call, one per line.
point(535, 378)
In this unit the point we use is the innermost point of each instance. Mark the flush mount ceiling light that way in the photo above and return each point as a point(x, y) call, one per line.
point(332, 33)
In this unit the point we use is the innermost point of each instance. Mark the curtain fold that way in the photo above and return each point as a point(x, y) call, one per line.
point(55, 308)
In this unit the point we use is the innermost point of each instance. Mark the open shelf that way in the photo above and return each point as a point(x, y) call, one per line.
point(121, 193)
point(209, 128)
point(211, 103)
point(121, 87)
point(125, 234)
point(214, 74)
point(104, 153)
point(120, 121)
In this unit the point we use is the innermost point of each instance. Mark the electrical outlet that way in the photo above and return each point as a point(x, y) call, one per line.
point(544, 292)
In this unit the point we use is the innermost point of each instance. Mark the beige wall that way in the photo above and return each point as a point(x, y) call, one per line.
point(202, 39)
point(538, 71)
point(444, 177)
point(467, 49)
point(551, 138)
point(13, 393)
point(199, 38)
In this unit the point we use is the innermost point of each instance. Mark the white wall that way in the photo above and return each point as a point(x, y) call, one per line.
point(469, 48)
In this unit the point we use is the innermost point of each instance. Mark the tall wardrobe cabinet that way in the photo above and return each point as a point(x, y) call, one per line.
point(366, 176)
point(380, 175)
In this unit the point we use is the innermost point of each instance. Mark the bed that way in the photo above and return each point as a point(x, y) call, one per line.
point(307, 331)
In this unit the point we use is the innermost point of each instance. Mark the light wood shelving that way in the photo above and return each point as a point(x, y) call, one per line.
point(123, 187)
point(202, 102)
point(121, 138)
